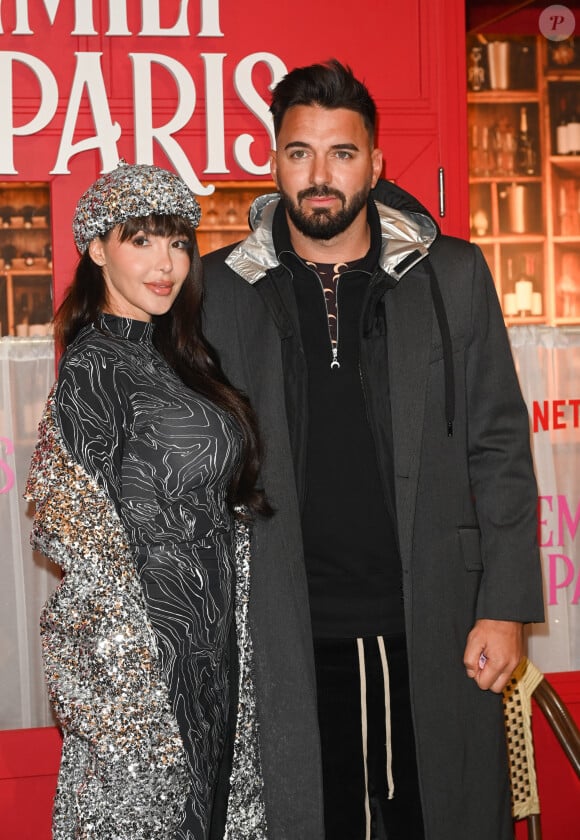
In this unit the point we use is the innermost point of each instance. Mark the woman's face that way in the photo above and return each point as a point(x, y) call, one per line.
point(143, 274)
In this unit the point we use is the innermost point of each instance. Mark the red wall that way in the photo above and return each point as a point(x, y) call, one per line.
point(395, 48)
point(412, 58)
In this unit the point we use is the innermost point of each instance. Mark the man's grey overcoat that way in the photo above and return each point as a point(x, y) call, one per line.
point(466, 505)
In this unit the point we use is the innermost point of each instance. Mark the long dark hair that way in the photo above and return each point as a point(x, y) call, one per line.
point(179, 338)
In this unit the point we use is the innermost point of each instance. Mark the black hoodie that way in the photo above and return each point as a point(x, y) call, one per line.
point(350, 546)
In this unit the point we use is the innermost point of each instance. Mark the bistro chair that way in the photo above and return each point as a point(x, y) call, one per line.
point(527, 682)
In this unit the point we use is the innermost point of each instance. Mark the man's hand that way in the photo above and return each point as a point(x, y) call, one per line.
point(492, 652)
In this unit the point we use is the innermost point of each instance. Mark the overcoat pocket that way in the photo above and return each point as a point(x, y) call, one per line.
point(470, 542)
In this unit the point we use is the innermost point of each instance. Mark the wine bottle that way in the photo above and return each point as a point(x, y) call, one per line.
point(562, 139)
point(525, 151)
point(573, 130)
point(524, 66)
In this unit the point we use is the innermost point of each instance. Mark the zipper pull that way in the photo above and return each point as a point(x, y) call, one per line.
point(335, 363)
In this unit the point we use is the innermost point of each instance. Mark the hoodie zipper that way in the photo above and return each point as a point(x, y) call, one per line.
point(335, 364)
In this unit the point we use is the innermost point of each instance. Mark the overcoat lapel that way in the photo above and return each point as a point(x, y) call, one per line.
point(409, 330)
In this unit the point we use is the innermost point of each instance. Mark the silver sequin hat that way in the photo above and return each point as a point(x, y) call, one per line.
point(131, 191)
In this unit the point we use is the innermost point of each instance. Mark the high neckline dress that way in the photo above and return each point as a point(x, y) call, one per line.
point(165, 455)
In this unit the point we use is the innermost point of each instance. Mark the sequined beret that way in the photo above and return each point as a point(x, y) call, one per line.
point(128, 192)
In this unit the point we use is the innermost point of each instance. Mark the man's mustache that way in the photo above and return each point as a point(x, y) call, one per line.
point(321, 192)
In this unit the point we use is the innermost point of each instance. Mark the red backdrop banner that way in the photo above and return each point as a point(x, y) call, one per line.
point(187, 84)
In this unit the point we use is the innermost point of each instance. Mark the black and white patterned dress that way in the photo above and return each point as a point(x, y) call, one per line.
point(165, 455)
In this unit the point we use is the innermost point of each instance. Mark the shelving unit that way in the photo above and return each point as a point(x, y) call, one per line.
point(528, 225)
point(25, 258)
point(224, 214)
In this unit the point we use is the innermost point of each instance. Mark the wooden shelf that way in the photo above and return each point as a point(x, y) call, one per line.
point(549, 200)
point(25, 256)
point(498, 97)
point(568, 163)
point(224, 214)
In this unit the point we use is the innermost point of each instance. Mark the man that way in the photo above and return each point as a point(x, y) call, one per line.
point(390, 588)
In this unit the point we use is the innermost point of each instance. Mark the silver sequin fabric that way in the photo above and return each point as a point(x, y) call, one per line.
point(131, 191)
point(246, 815)
point(124, 771)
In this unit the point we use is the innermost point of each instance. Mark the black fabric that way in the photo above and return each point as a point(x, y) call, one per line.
point(443, 323)
point(350, 545)
point(352, 562)
point(339, 711)
point(222, 786)
point(443, 485)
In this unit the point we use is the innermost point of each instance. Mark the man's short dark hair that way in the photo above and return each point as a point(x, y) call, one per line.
point(329, 85)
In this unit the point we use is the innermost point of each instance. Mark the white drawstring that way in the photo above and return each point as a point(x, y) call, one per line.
point(364, 724)
point(389, 744)
point(364, 731)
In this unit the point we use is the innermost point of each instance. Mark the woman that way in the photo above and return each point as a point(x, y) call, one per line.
point(144, 478)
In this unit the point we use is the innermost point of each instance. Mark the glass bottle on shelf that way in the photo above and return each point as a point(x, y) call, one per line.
point(474, 152)
point(476, 69)
point(485, 159)
point(526, 158)
point(573, 130)
point(562, 139)
point(523, 66)
point(504, 145)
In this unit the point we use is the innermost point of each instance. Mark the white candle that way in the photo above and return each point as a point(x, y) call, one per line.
point(509, 304)
point(524, 289)
point(537, 303)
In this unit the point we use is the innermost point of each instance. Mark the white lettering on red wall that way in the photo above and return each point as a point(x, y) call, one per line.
point(88, 92)
point(117, 15)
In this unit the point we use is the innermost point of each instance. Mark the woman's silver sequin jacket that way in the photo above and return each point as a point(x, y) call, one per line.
point(123, 772)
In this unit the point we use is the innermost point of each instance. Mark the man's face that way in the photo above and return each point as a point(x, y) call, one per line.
point(324, 168)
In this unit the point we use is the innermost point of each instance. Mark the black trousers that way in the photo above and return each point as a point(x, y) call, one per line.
point(347, 810)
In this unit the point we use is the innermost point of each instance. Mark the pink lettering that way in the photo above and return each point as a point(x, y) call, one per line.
point(565, 518)
point(576, 596)
point(554, 585)
point(549, 540)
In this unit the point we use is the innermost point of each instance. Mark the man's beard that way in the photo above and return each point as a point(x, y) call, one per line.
point(322, 222)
